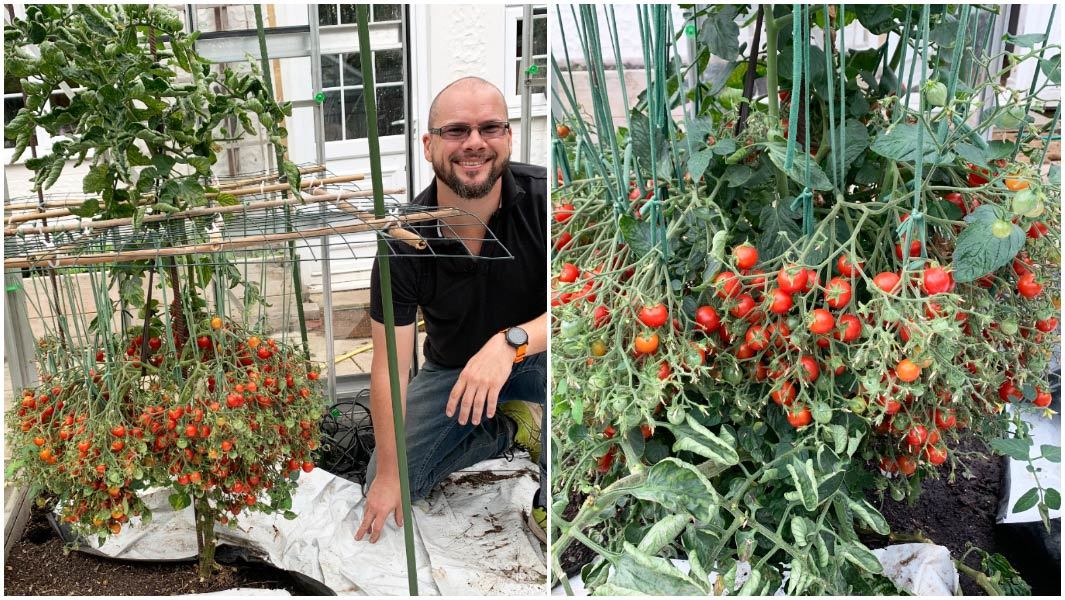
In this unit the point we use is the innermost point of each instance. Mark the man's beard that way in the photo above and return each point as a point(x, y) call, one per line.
point(462, 190)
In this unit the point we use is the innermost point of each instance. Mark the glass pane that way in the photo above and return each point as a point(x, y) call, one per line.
point(542, 63)
point(347, 13)
point(539, 41)
point(388, 65)
point(352, 70)
point(517, 39)
point(11, 108)
point(386, 12)
point(327, 14)
point(390, 110)
point(334, 127)
point(354, 114)
point(330, 70)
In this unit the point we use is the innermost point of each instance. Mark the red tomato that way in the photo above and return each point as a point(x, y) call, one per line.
point(601, 315)
point(1037, 230)
point(646, 343)
point(563, 212)
point(569, 273)
point(810, 370)
point(887, 281)
point(792, 278)
point(785, 394)
point(799, 417)
point(838, 292)
point(936, 280)
point(1028, 287)
point(915, 249)
point(851, 327)
point(1047, 325)
point(822, 321)
point(936, 455)
point(945, 419)
point(654, 316)
point(956, 199)
point(744, 306)
point(727, 284)
point(907, 465)
point(746, 256)
point(757, 338)
point(848, 268)
point(1042, 398)
point(707, 319)
point(782, 302)
point(917, 436)
point(563, 241)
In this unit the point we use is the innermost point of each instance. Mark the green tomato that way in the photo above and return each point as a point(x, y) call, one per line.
point(1001, 229)
point(1011, 118)
point(570, 329)
point(729, 97)
point(733, 374)
point(858, 405)
point(675, 414)
point(1009, 327)
point(1024, 201)
point(935, 93)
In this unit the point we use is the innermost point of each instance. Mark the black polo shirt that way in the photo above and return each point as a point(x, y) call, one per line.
point(466, 300)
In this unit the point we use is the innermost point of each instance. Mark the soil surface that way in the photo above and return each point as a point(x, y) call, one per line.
point(576, 554)
point(35, 566)
point(952, 514)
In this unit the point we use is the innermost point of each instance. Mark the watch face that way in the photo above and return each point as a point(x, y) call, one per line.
point(516, 336)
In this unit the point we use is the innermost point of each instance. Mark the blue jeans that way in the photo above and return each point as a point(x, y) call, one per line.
point(438, 446)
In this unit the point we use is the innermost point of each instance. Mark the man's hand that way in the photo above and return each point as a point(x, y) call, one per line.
point(478, 386)
point(383, 499)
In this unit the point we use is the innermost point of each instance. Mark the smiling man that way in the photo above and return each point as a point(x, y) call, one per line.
point(482, 387)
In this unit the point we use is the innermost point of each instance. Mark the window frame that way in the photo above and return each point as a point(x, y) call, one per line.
point(538, 101)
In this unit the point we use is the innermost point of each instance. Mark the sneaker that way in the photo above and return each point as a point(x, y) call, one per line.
point(527, 417)
point(537, 522)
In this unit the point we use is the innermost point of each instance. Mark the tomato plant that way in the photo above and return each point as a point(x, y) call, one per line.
point(149, 394)
point(854, 293)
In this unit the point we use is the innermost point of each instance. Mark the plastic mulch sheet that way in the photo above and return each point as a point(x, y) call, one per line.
point(470, 536)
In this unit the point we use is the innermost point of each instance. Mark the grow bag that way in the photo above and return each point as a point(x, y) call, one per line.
point(1025, 541)
point(470, 536)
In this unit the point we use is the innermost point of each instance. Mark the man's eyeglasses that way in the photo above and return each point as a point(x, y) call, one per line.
point(460, 131)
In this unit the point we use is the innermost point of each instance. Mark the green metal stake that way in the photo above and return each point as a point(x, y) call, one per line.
point(370, 99)
point(264, 59)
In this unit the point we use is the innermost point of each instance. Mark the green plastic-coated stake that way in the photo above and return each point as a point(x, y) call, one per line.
point(362, 18)
point(319, 97)
point(533, 69)
point(689, 30)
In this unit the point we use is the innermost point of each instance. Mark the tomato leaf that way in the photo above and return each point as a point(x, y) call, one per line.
point(1015, 448)
point(862, 557)
point(781, 230)
point(802, 476)
point(637, 235)
point(678, 487)
point(1052, 498)
point(698, 162)
point(662, 533)
point(900, 144)
point(179, 500)
point(778, 153)
point(978, 251)
point(636, 573)
point(1051, 453)
point(721, 33)
point(868, 515)
point(1028, 500)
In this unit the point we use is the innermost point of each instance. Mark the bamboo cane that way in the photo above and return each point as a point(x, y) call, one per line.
point(244, 191)
point(195, 212)
point(52, 259)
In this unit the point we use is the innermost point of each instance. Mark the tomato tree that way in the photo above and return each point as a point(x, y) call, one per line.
point(172, 395)
point(853, 280)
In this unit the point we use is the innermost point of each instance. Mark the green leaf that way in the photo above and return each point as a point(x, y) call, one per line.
point(869, 515)
point(778, 151)
point(1028, 500)
point(201, 164)
point(698, 163)
point(862, 557)
point(839, 438)
point(1015, 448)
point(978, 251)
point(780, 230)
point(802, 476)
point(180, 500)
point(1052, 498)
point(678, 487)
point(289, 515)
point(636, 573)
point(1051, 453)
point(877, 18)
point(900, 144)
point(822, 412)
point(1054, 176)
point(800, 529)
point(637, 234)
point(737, 175)
point(225, 199)
point(721, 33)
point(724, 147)
point(856, 136)
point(971, 154)
point(88, 209)
point(1051, 67)
point(1024, 41)
point(662, 533)
point(700, 440)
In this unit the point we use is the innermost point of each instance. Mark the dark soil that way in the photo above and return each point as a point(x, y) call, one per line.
point(576, 554)
point(35, 566)
point(952, 514)
point(483, 478)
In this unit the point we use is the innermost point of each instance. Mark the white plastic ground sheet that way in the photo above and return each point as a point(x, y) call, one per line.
point(1044, 432)
point(919, 569)
point(470, 535)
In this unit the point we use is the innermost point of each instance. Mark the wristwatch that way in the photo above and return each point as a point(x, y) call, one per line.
point(518, 339)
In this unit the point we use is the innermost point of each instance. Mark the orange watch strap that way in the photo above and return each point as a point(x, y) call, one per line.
point(520, 356)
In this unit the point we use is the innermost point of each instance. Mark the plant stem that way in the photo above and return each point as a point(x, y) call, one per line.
point(772, 78)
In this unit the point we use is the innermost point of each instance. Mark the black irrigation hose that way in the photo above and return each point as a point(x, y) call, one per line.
point(347, 438)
